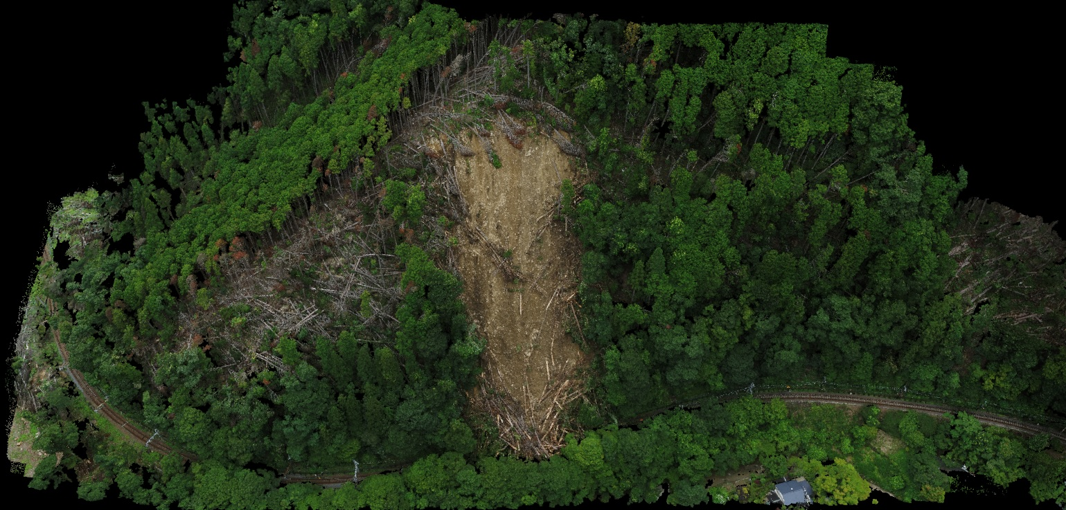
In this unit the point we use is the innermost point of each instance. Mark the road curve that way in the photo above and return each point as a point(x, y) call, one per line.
point(158, 444)
point(995, 420)
point(100, 405)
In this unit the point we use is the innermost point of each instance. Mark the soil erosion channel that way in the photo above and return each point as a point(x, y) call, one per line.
point(519, 268)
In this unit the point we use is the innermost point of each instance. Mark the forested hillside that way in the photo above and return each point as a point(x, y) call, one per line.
point(277, 293)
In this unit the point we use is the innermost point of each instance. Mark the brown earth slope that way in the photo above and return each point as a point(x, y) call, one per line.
point(519, 268)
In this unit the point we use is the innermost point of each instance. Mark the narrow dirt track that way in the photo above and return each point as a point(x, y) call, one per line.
point(994, 420)
point(159, 444)
point(100, 405)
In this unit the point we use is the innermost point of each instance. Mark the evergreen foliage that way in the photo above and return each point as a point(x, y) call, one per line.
point(755, 211)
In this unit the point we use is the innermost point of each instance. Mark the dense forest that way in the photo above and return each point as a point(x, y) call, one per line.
point(275, 294)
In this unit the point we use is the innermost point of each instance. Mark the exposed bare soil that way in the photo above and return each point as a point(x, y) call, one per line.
point(519, 269)
point(742, 476)
point(20, 445)
point(885, 443)
point(740, 482)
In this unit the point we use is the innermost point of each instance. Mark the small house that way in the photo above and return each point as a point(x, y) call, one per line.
point(791, 492)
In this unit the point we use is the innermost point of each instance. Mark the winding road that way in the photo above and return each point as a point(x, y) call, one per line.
point(157, 443)
point(994, 420)
point(98, 404)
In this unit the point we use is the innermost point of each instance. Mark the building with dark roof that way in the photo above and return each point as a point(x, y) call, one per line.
point(791, 492)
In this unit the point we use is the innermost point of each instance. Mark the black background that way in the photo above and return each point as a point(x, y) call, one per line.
point(979, 93)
